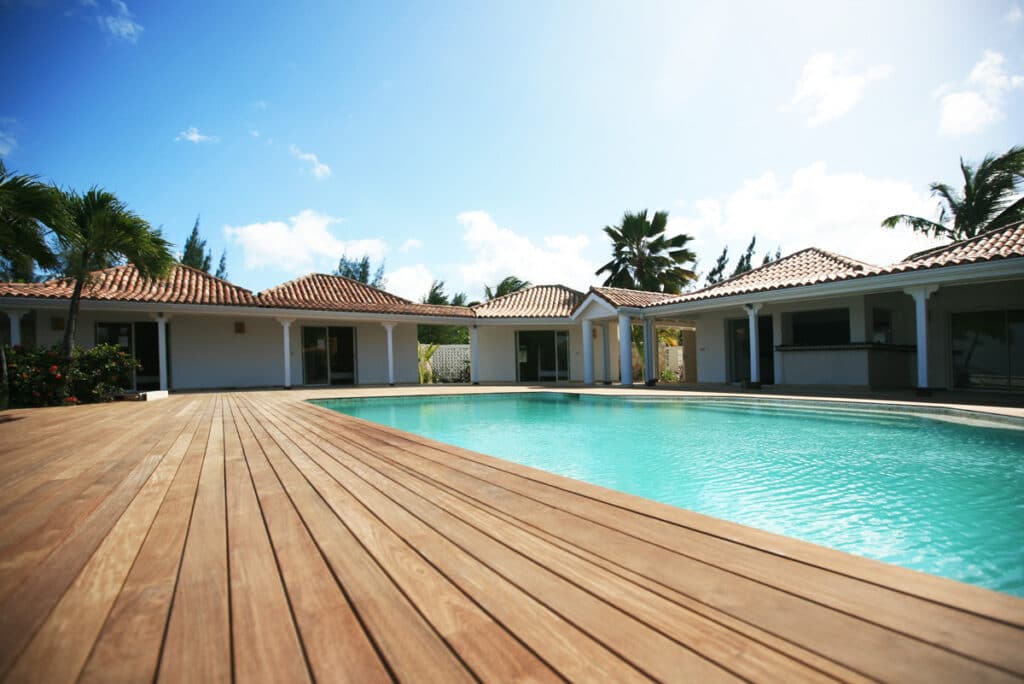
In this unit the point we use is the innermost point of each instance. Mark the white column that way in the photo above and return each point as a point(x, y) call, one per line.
point(625, 352)
point(780, 376)
point(650, 351)
point(588, 352)
point(606, 354)
point(161, 348)
point(390, 327)
point(286, 326)
point(755, 351)
point(920, 295)
point(474, 355)
point(15, 316)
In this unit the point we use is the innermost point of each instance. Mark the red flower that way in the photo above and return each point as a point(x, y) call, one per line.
point(57, 376)
point(54, 369)
point(24, 376)
point(35, 393)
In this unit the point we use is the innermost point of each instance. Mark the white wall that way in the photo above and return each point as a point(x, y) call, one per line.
point(371, 351)
point(498, 359)
point(206, 352)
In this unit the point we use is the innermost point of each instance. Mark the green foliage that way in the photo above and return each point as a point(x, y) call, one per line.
point(359, 269)
point(195, 253)
point(745, 262)
point(644, 258)
point(990, 199)
point(507, 286)
point(717, 274)
point(222, 266)
point(442, 334)
point(97, 227)
point(424, 353)
point(668, 375)
point(769, 258)
point(29, 210)
point(45, 377)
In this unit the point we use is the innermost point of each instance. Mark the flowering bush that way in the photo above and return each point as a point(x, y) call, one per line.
point(43, 377)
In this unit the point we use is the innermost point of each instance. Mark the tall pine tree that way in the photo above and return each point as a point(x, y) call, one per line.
point(196, 255)
point(360, 269)
point(222, 266)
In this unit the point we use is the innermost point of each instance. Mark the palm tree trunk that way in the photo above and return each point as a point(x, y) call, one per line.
point(76, 300)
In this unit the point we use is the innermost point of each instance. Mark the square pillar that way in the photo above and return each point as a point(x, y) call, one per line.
point(650, 352)
point(755, 349)
point(15, 316)
point(286, 326)
point(625, 352)
point(390, 328)
point(588, 352)
point(161, 347)
point(921, 293)
point(606, 354)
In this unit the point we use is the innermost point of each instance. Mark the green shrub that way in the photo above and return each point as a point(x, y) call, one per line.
point(43, 377)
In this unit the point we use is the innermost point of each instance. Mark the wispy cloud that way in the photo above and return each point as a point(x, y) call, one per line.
point(1014, 16)
point(319, 169)
point(7, 140)
point(830, 85)
point(118, 21)
point(254, 133)
point(410, 244)
point(193, 135)
point(977, 103)
point(260, 104)
point(305, 242)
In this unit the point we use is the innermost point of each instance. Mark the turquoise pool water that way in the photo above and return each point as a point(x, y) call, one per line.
point(932, 494)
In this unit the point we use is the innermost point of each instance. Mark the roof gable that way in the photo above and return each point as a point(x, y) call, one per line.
point(324, 292)
point(538, 301)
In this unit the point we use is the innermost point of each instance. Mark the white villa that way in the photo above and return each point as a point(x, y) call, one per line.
point(951, 317)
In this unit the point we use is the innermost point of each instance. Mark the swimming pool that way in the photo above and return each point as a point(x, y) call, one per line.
point(937, 493)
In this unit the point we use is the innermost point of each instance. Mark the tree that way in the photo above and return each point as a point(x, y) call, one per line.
point(990, 199)
point(717, 274)
point(644, 258)
point(97, 226)
point(745, 262)
point(507, 286)
point(442, 334)
point(196, 255)
point(359, 269)
point(768, 258)
point(29, 211)
point(222, 266)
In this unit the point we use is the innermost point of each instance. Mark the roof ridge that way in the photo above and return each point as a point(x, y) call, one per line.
point(522, 290)
point(956, 243)
point(339, 277)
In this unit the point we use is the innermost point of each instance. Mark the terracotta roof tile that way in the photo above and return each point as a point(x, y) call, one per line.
point(620, 296)
point(185, 285)
point(336, 293)
point(1003, 243)
point(539, 301)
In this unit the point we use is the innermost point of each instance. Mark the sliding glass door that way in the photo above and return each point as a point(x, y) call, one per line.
point(542, 355)
point(988, 349)
point(328, 356)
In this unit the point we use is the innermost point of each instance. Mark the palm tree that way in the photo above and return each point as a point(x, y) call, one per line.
point(508, 285)
point(99, 227)
point(29, 209)
point(644, 258)
point(990, 199)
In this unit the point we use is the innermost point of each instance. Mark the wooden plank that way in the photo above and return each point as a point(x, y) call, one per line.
point(197, 647)
point(337, 647)
point(128, 648)
point(23, 611)
point(60, 648)
point(484, 645)
point(408, 644)
point(266, 644)
point(731, 650)
point(854, 642)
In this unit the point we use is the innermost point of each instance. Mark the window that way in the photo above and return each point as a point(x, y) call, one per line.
point(988, 349)
point(829, 326)
point(881, 326)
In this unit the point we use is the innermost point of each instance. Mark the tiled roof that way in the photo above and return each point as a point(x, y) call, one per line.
point(1003, 243)
point(806, 267)
point(336, 293)
point(185, 285)
point(539, 301)
point(620, 296)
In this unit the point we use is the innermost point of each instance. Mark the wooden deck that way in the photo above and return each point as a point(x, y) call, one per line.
point(251, 536)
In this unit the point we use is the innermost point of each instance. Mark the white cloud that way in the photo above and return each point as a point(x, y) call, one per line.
point(7, 140)
point(840, 212)
point(319, 169)
point(829, 86)
point(254, 133)
point(411, 244)
point(305, 243)
point(978, 102)
point(1014, 16)
point(193, 135)
point(498, 252)
point(260, 104)
point(411, 282)
point(119, 22)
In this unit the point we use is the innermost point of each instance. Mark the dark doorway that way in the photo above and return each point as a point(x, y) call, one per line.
point(147, 353)
point(738, 331)
point(328, 356)
point(542, 355)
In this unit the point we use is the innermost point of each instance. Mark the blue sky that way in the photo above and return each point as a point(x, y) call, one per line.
point(469, 141)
